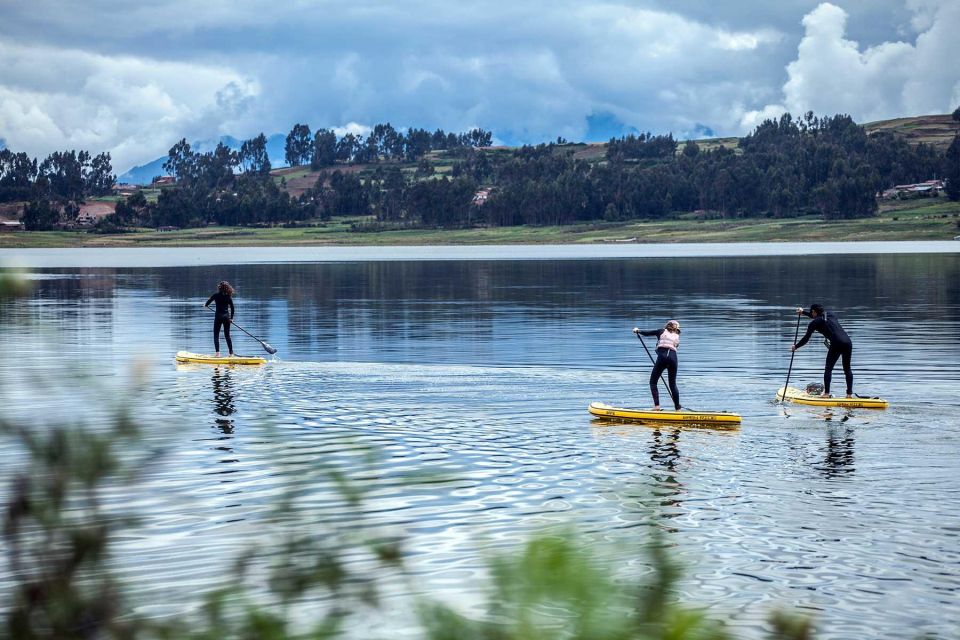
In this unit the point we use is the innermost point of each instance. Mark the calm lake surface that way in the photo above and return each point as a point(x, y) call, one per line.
point(478, 371)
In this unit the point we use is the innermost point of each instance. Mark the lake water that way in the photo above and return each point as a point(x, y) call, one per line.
point(479, 371)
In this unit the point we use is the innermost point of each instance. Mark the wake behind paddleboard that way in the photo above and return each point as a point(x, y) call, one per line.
point(802, 397)
point(602, 410)
point(200, 358)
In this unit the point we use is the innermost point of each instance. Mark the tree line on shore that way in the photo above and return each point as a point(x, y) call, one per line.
point(231, 188)
point(786, 167)
point(56, 183)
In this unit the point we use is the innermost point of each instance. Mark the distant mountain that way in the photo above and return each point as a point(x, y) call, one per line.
point(702, 131)
point(3, 143)
point(145, 173)
point(602, 126)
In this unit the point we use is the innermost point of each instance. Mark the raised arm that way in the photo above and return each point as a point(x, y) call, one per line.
point(650, 334)
point(806, 336)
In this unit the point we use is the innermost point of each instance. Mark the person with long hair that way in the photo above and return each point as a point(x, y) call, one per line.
point(668, 341)
point(223, 316)
point(839, 344)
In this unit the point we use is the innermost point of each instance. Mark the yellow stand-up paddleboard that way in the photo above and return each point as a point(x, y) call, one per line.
point(802, 397)
point(200, 358)
point(602, 410)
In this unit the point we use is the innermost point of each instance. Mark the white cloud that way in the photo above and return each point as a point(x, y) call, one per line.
point(832, 74)
point(354, 128)
point(750, 119)
point(132, 107)
point(924, 13)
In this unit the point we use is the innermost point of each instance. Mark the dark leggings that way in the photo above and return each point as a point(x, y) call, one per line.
point(833, 354)
point(225, 323)
point(666, 359)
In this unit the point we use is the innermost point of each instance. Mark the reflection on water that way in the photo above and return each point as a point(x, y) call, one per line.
point(223, 399)
point(669, 490)
point(223, 409)
point(839, 452)
point(480, 372)
point(665, 450)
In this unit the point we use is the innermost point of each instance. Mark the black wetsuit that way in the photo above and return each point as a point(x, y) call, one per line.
point(222, 318)
point(666, 360)
point(841, 346)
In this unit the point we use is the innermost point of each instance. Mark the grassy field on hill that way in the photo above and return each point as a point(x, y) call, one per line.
point(933, 219)
point(936, 130)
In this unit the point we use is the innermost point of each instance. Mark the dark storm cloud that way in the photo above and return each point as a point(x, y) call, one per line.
point(872, 21)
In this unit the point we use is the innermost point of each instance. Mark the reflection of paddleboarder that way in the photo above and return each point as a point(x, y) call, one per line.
point(839, 457)
point(839, 344)
point(668, 339)
point(223, 316)
point(665, 450)
point(223, 400)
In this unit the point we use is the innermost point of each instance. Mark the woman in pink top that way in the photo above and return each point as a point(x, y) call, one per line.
point(668, 340)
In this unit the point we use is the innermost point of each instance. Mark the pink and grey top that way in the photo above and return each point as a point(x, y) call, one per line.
point(665, 339)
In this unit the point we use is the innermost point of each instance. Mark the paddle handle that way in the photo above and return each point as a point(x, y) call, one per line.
point(793, 353)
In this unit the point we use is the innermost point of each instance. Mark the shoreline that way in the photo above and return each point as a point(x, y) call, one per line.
point(933, 219)
point(159, 257)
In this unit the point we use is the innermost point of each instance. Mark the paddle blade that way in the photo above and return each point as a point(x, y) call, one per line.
point(268, 348)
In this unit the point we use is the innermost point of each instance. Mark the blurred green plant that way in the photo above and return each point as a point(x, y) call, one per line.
point(556, 589)
point(12, 284)
point(56, 534)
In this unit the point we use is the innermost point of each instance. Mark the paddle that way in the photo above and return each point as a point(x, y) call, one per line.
point(796, 334)
point(669, 394)
point(266, 347)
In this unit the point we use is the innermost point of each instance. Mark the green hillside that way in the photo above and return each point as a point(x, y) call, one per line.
point(937, 130)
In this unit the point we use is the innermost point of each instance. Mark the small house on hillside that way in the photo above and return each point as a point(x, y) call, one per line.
point(125, 190)
point(929, 188)
point(91, 212)
point(481, 196)
point(11, 225)
point(163, 181)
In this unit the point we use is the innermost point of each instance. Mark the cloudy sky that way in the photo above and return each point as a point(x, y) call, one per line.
point(133, 78)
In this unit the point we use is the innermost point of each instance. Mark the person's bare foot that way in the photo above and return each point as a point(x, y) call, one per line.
point(216, 355)
point(656, 407)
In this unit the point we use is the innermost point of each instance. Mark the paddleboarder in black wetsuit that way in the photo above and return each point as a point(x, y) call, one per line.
point(668, 340)
point(840, 345)
point(224, 315)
